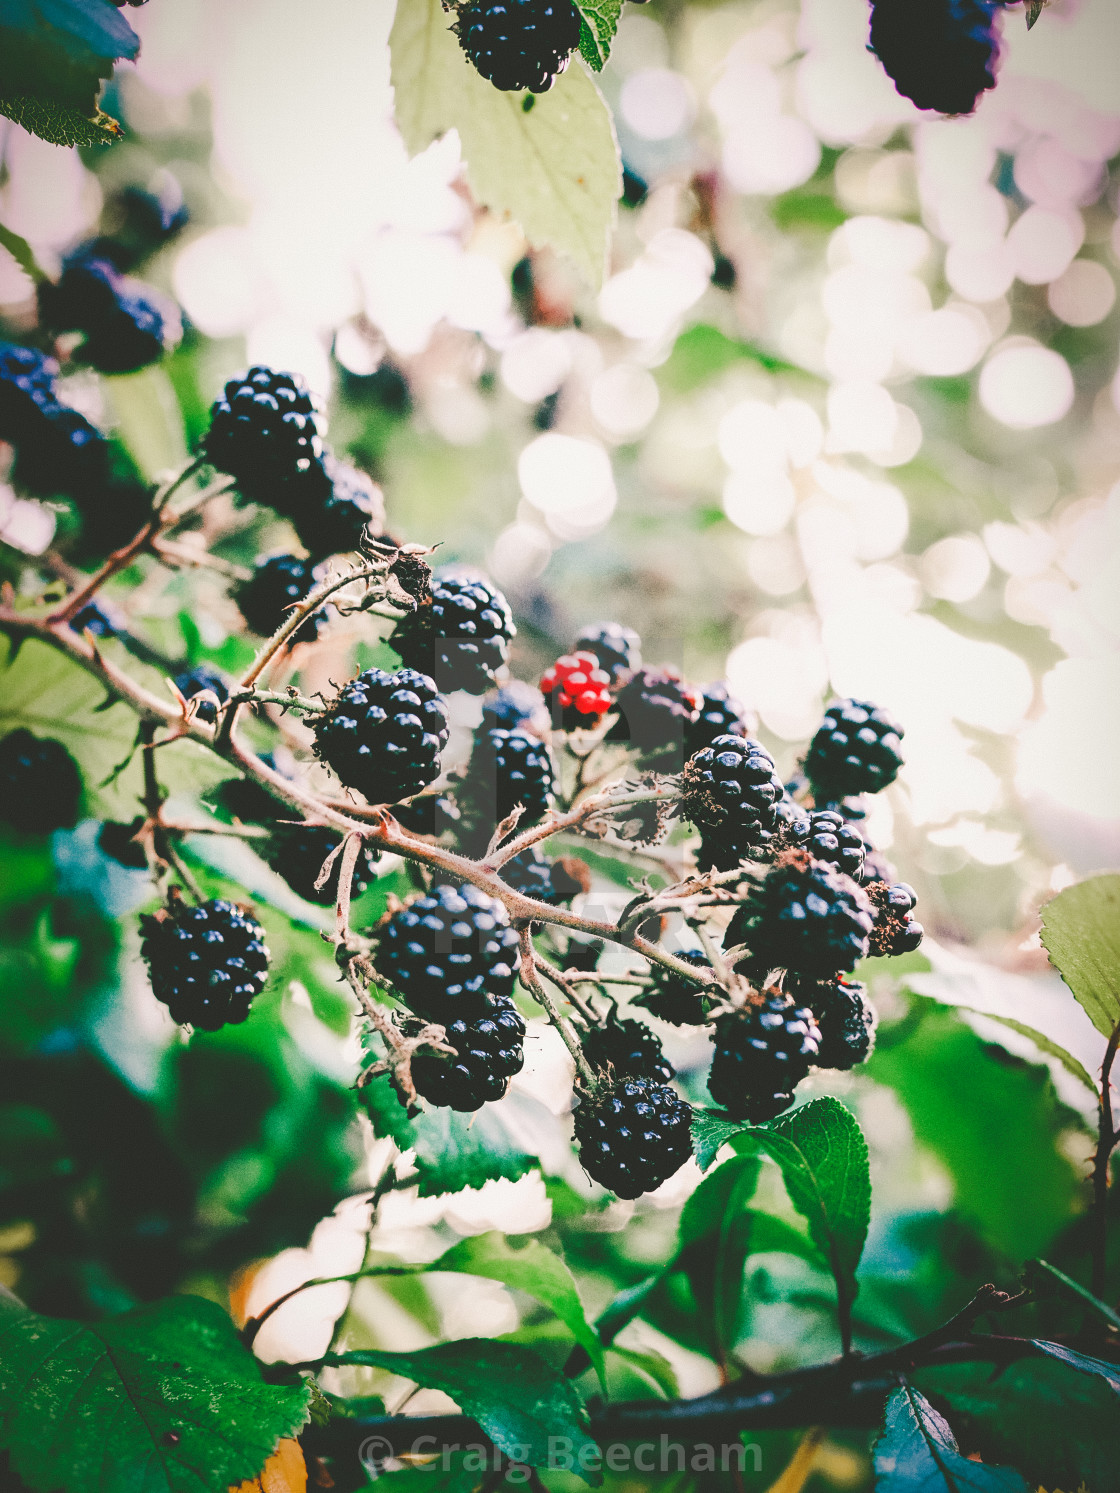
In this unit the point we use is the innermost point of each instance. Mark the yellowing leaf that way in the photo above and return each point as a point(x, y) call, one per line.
point(550, 160)
point(284, 1472)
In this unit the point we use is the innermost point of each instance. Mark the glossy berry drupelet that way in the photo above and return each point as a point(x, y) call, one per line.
point(655, 708)
point(40, 784)
point(298, 852)
point(896, 930)
point(265, 432)
point(633, 1134)
point(206, 963)
point(943, 54)
point(731, 790)
point(344, 518)
point(517, 706)
point(720, 715)
point(617, 649)
point(577, 692)
point(804, 916)
point(856, 750)
point(518, 44)
point(510, 769)
point(845, 1018)
point(27, 389)
point(489, 1051)
point(627, 1049)
point(762, 1052)
point(450, 953)
point(674, 999)
point(462, 638)
point(277, 585)
point(828, 836)
point(384, 733)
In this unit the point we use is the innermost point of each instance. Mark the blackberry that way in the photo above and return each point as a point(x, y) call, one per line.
point(577, 692)
point(626, 1049)
point(633, 1134)
point(137, 332)
point(430, 814)
point(762, 1052)
point(462, 638)
point(508, 768)
point(245, 799)
point(352, 512)
point(845, 1018)
point(92, 618)
point(674, 999)
point(140, 222)
point(61, 454)
point(655, 708)
point(27, 389)
point(277, 585)
point(516, 707)
point(85, 293)
point(793, 821)
point(531, 875)
point(828, 836)
point(200, 680)
point(489, 1051)
point(206, 963)
point(119, 843)
point(720, 715)
point(895, 931)
point(855, 750)
point(265, 432)
point(730, 790)
point(876, 867)
point(384, 733)
point(40, 784)
point(450, 953)
point(297, 852)
point(617, 649)
point(110, 515)
point(942, 54)
point(804, 916)
point(518, 44)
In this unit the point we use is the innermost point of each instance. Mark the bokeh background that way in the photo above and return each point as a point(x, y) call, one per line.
point(844, 417)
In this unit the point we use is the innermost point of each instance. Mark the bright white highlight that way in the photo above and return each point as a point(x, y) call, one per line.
point(1025, 386)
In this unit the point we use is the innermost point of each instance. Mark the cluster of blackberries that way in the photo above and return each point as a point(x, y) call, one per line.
point(942, 54)
point(459, 634)
point(384, 733)
point(206, 963)
point(58, 452)
point(518, 44)
point(125, 325)
point(40, 784)
point(266, 431)
point(451, 957)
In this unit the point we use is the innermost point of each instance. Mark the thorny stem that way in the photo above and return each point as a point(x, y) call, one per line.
point(1106, 1143)
point(531, 980)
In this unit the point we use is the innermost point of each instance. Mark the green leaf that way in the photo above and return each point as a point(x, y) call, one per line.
point(1082, 1362)
point(147, 418)
point(622, 1310)
point(54, 55)
point(1038, 1272)
point(164, 1398)
point(530, 1268)
point(20, 250)
point(1034, 10)
point(1081, 933)
point(516, 1397)
point(1042, 1042)
point(917, 1453)
point(550, 160)
point(709, 1133)
point(60, 124)
point(703, 352)
point(598, 22)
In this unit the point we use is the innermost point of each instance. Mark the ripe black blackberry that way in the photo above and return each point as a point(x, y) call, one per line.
point(762, 1052)
point(40, 784)
point(277, 585)
point(627, 1049)
point(943, 54)
point(27, 391)
point(674, 999)
point(344, 518)
point(845, 1018)
point(489, 1051)
point(518, 44)
point(297, 852)
point(828, 836)
point(265, 432)
point(804, 916)
point(896, 931)
point(531, 875)
point(84, 294)
point(793, 821)
point(856, 750)
point(60, 454)
point(462, 638)
point(430, 814)
point(617, 649)
point(731, 790)
point(450, 953)
point(136, 332)
point(633, 1134)
point(720, 715)
point(206, 963)
point(203, 680)
point(508, 768)
point(517, 706)
point(384, 733)
point(655, 708)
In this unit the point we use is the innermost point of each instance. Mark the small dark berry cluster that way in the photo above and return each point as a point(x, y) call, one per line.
point(460, 635)
point(58, 452)
point(518, 44)
point(206, 963)
point(40, 784)
point(125, 325)
point(942, 54)
point(384, 733)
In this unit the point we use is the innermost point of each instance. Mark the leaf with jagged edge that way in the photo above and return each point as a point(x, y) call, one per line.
point(598, 22)
point(917, 1453)
point(20, 250)
point(1081, 934)
point(550, 160)
point(1034, 10)
point(60, 124)
point(54, 56)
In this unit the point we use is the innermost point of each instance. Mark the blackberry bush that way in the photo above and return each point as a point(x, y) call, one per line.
point(40, 784)
point(518, 44)
point(762, 1052)
point(674, 999)
point(804, 916)
point(856, 750)
point(632, 1135)
point(626, 1049)
point(450, 953)
point(730, 790)
point(489, 1051)
point(384, 733)
point(206, 963)
point(462, 637)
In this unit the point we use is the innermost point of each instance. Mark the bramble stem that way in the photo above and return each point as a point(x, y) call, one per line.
point(532, 983)
point(1106, 1144)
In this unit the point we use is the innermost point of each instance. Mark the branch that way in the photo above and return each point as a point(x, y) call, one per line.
point(1106, 1144)
point(531, 981)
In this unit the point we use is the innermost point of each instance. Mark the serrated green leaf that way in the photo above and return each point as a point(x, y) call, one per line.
point(165, 1398)
point(54, 55)
point(709, 1133)
point(1082, 1362)
point(598, 22)
point(20, 250)
point(550, 160)
point(516, 1397)
point(917, 1453)
point(61, 124)
point(1081, 934)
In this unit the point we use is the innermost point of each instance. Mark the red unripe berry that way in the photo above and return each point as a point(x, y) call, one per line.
point(578, 691)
